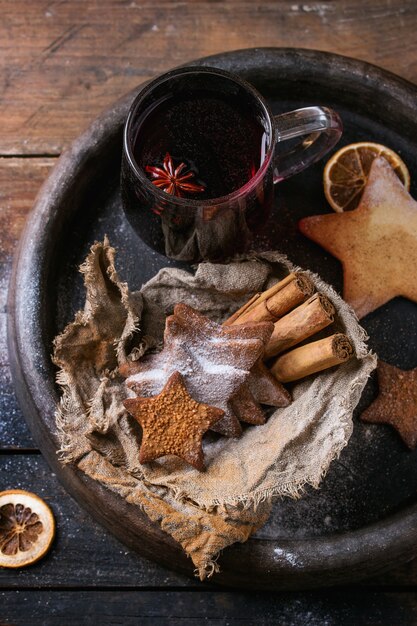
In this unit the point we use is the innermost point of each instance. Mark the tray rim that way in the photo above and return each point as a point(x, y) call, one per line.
point(326, 560)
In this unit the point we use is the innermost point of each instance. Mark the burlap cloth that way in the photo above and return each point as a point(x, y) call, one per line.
point(203, 511)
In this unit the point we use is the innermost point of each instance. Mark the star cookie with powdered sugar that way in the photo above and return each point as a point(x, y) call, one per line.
point(214, 361)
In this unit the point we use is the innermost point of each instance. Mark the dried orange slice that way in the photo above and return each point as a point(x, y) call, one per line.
point(346, 173)
point(27, 528)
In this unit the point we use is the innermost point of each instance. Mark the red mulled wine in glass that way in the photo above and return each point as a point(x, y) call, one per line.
point(198, 161)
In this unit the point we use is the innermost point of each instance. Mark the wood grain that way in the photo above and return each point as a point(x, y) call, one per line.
point(174, 608)
point(83, 554)
point(20, 180)
point(61, 63)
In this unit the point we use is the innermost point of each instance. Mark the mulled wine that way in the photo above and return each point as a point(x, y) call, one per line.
point(197, 168)
point(211, 139)
point(199, 161)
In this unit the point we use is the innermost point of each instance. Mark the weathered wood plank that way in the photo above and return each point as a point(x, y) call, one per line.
point(20, 180)
point(83, 553)
point(86, 555)
point(161, 608)
point(14, 433)
point(61, 63)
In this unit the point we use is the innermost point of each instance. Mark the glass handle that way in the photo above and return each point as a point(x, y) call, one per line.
point(319, 128)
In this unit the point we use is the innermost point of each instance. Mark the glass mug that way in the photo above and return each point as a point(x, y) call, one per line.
point(200, 162)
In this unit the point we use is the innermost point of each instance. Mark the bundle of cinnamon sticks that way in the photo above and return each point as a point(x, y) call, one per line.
point(298, 313)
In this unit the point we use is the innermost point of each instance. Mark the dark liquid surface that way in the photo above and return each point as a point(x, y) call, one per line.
point(217, 136)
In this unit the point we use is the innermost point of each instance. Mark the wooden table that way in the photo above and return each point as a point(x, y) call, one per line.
point(61, 63)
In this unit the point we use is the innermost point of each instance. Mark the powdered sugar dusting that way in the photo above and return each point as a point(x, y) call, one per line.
point(211, 367)
point(151, 374)
point(284, 555)
point(385, 190)
point(213, 361)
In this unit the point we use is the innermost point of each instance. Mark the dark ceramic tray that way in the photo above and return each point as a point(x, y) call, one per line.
point(363, 519)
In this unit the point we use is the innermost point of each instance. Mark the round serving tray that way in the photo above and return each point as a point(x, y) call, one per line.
point(363, 519)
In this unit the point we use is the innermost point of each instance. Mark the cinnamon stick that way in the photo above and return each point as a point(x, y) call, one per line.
point(313, 357)
point(259, 313)
point(291, 296)
point(302, 322)
point(276, 301)
point(265, 295)
point(240, 311)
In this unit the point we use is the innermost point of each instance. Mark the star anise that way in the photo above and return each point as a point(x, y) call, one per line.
point(173, 180)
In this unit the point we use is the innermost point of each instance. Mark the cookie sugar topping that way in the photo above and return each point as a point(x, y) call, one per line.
point(213, 370)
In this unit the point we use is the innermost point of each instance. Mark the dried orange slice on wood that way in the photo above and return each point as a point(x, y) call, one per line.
point(346, 173)
point(27, 528)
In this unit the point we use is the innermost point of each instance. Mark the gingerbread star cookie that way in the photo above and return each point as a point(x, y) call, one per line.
point(173, 423)
point(260, 388)
point(396, 403)
point(245, 407)
point(376, 243)
point(214, 361)
point(265, 388)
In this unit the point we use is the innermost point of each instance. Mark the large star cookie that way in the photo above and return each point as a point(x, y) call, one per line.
point(396, 403)
point(376, 243)
point(173, 423)
point(214, 361)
